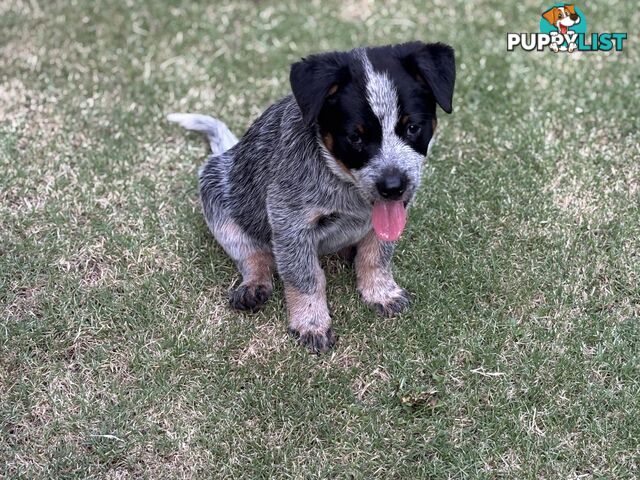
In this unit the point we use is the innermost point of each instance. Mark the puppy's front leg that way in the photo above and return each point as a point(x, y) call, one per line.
point(304, 289)
point(375, 280)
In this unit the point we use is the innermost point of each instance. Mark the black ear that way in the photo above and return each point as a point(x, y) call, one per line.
point(314, 78)
point(435, 64)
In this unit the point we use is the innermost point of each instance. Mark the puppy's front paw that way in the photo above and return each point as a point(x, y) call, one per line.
point(316, 342)
point(384, 295)
point(394, 305)
point(309, 319)
point(249, 297)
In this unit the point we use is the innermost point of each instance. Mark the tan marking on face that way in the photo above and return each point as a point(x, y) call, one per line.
point(375, 283)
point(360, 129)
point(332, 90)
point(327, 138)
point(344, 168)
point(404, 120)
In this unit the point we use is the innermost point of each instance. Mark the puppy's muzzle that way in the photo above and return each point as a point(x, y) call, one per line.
point(392, 184)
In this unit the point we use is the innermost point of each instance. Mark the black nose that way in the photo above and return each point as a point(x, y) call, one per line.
point(392, 184)
point(573, 17)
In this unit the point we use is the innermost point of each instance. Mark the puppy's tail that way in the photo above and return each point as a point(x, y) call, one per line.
point(220, 137)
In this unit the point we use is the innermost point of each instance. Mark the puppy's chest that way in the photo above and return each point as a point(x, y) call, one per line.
point(338, 229)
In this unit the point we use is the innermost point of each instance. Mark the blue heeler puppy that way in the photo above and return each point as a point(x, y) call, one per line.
point(330, 169)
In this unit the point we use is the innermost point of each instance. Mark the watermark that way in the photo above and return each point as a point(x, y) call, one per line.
point(563, 28)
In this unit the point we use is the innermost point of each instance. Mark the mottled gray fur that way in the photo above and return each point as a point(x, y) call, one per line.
point(279, 192)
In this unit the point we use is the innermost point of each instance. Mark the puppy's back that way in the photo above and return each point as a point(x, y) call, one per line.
point(249, 171)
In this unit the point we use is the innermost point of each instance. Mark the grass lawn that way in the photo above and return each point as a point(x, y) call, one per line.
point(119, 356)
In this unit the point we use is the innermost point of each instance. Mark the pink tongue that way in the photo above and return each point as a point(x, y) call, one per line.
point(389, 219)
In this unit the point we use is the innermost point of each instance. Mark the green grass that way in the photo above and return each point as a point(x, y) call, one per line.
point(119, 357)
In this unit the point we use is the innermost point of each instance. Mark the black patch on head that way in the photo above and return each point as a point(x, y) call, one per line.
point(424, 75)
point(354, 128)
point(312, 78)
point(417, 131)
point(433, 63)
point(330, 90)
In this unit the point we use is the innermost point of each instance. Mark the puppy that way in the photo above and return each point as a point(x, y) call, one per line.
point(331, 168)
point(562, 18)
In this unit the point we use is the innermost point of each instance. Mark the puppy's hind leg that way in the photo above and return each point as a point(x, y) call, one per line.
point(255, 263)
point(254, 260)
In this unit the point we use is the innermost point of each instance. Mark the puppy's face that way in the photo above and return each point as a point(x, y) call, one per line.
point(562, 17)
point(375, 110)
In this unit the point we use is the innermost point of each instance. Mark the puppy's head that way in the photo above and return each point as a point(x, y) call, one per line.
point(562, 17)
point(375, 112)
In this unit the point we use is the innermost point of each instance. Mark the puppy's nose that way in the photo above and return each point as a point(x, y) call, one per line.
point(392, 184)
point(573, 17)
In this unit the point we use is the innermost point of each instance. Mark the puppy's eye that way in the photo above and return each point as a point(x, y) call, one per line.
point(413, 129)
point(355, 139)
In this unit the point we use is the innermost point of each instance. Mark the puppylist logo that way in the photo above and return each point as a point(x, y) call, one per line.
point(563, 28)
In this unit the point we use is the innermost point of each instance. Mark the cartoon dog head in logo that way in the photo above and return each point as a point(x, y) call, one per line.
point(562, 17)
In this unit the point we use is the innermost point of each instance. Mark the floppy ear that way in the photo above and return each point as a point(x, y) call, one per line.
point(434, 64)
point(551, 16)
point(571, 8)
point(316, 77)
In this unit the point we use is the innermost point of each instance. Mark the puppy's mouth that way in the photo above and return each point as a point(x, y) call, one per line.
point(389, 219)
point(563, 28)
